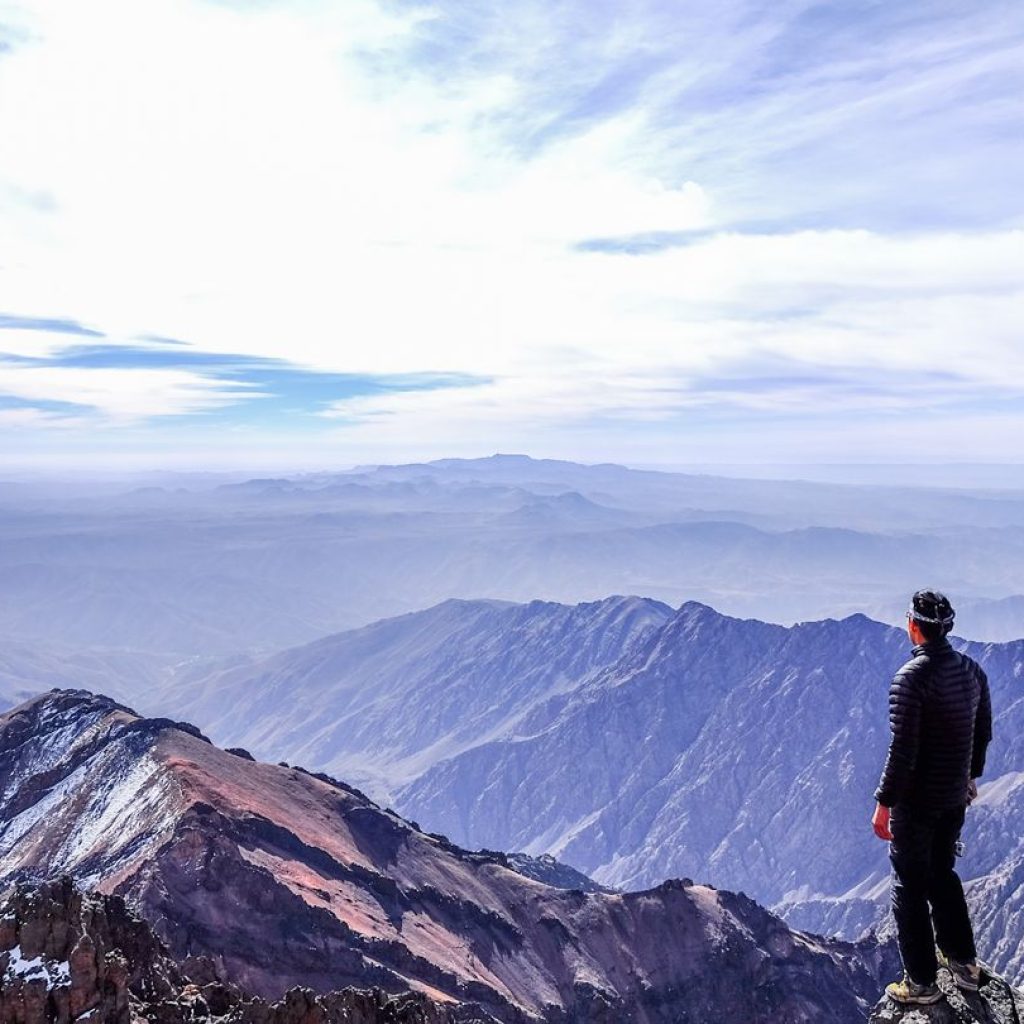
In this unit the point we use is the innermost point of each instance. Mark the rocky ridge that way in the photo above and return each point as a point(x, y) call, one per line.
point(380, 704)
point(68, 956)
point(286, 880)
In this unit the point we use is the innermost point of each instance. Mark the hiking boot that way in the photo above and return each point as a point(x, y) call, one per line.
point(966, 976)
point(908, 991)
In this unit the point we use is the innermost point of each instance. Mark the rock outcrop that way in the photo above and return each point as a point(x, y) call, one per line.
point(66, 956)
point(995, 1003)
point(283, 879)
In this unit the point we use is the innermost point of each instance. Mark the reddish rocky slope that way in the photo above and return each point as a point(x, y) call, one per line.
point(286, 879)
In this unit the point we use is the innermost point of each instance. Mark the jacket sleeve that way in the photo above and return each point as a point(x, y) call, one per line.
point(982, 727)
point(905, 709)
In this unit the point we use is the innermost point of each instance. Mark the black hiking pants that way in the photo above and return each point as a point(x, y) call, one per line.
point(922, 853)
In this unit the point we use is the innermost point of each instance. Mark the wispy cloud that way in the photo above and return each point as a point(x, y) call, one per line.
point(838, 114)
point(50, 325)
point(138, 382)
point(18, 414)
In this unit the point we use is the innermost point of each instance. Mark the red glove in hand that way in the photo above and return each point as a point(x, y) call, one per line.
point(880, 822)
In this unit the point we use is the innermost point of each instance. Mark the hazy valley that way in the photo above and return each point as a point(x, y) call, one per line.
point(215, 569)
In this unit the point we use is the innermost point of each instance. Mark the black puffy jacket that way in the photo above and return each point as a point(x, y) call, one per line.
point(940, 714)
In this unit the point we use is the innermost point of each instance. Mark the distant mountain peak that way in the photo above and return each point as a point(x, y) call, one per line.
point(698, 609)
point(691, 615)
point(847, 627)
point(627, 601)
point(509, 457)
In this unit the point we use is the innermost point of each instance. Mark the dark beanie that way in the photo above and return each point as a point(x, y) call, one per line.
point(933, 608)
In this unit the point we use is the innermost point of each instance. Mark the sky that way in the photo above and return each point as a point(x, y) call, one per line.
point(319, 234)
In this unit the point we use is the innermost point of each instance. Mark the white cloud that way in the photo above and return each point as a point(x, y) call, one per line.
point(122, 394)
point(34, 419)
point(33, 344)
point(246, 180)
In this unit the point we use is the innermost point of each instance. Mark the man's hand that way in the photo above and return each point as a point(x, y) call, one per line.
point(972, 791)
point(880, 822)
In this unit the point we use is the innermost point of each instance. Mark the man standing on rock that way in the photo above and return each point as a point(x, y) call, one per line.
point(940, 715)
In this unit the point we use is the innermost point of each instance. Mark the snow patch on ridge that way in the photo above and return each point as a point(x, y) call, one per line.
point(113, 814)
point(44, 753)
point(130, 800)
point(21, 824)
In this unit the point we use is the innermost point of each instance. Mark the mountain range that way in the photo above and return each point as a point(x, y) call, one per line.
point(635, 743)
point(381, 704)
point(273, 877)
point(440, 635)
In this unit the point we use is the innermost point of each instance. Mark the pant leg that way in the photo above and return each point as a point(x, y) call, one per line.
point(910, 854)
point(945, 893)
